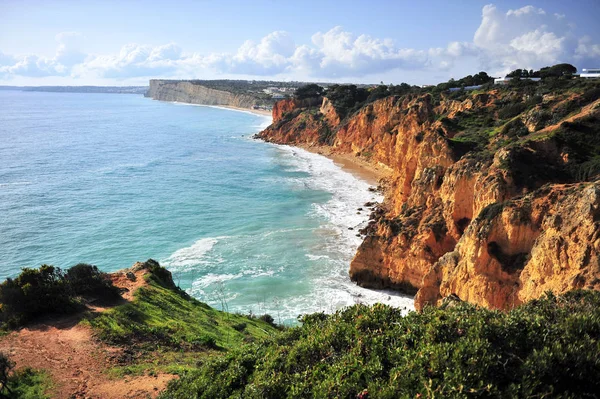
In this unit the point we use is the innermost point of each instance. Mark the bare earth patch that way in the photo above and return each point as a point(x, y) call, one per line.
point(75, 360)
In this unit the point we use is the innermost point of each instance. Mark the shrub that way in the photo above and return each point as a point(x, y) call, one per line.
point(546, 348)
point(33, 293)
point(267, 318)
point(87, 281)
point(511, 110)
point(37, 292)
point(6, 366)
point(308, 91)
point(159, 274)
point(204, 341)
point(346, 98)
point(515, 128)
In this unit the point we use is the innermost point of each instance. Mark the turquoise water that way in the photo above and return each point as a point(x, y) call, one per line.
point(113, 179)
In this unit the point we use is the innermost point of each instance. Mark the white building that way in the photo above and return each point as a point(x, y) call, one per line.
point(590, 73)
point(504, 81)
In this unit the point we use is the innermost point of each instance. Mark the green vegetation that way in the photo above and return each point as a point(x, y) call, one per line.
point(546, 348)
point(163, 329)
point(555, 71)
point(161, 316)
point(37, 292)
point(582, 138)
point(308, 91)
point(471, 80)
point(346, 99)
point(166, 330)
point(22, 384)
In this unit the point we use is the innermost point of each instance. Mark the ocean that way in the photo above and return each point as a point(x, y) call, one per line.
point(243, 225)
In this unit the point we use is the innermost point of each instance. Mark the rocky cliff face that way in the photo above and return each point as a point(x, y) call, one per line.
point(487, 199)
point(187, 92)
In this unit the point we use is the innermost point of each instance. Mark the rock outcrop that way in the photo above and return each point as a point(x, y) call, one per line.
point(473, 208)
point(188, 92)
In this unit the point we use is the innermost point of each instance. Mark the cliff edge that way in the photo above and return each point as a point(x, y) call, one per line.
point(191, 93)
point(494, 195)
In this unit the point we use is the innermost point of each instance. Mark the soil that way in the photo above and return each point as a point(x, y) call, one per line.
point(75, 360)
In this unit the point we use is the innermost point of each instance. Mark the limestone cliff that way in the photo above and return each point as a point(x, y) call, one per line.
point(188, 92)
point(493, 196)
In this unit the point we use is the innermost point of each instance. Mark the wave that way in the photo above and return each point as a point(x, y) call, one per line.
point(17, 183)
point(338, 239)
point(185, 259)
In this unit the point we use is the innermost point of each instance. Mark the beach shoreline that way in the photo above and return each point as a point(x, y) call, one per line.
point(261, 112)
point(358, 167)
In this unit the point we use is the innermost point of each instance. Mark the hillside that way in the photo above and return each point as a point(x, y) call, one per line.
point(493, 194)
point(124, 348)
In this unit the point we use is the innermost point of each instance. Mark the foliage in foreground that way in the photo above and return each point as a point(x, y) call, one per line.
point(22, 384)
point(546, 348)
point(38, 292)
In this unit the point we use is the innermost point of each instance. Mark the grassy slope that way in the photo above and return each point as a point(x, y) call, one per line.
point(547, 348)
point(29, 384)
point(165, 330)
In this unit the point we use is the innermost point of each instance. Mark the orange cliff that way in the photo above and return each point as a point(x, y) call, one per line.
point(495, 227)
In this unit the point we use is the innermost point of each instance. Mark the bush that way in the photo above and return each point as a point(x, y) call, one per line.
point(546, 348)
point(515, 128)
point(6, 366)
point(204, 341)
point(159, 274)
point(267, 318)
point(87, 281)
point(346, 98)
point(511, 110)
point(33, 293)
point(37, 292)
point(308, 91)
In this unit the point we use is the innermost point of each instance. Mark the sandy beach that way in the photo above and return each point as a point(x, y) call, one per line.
point(350, 163)
point(254, 111)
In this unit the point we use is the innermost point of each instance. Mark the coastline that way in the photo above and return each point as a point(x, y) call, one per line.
point(260, 112)
point(350, 163)
point(358, 167)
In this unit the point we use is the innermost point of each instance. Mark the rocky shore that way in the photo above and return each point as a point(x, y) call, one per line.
point(482, 201)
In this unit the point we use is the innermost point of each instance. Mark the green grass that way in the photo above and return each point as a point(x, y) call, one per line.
point(168, 331)
point(29, 384)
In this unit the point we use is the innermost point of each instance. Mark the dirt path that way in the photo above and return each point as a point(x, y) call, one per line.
point(75, 360)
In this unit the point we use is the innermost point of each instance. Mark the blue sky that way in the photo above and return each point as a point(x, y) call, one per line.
point(128, 42)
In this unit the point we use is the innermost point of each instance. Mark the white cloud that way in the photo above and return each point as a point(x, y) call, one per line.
point(134, 61)
point(526, 10)
point(527, 37)
point(343, 54)
point(68, 53)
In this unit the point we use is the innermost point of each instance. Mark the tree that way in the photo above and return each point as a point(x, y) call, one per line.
point(558, 70)
point(308, 91)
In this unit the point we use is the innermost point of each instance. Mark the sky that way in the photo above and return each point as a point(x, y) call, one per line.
point(128, 42)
